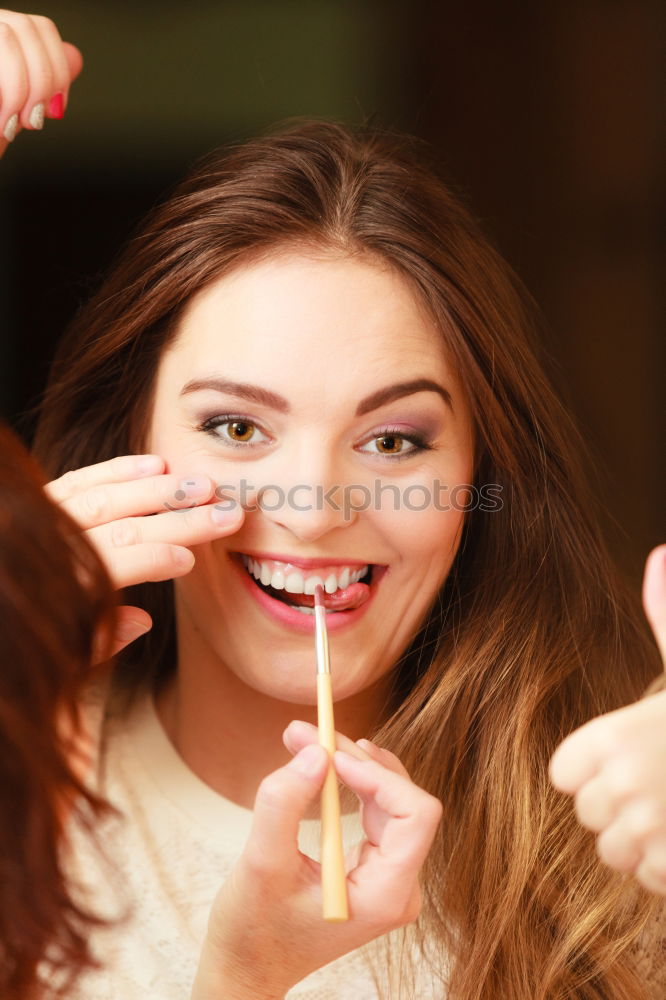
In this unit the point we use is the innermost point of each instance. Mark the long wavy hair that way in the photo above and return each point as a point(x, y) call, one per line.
point(54, 596)
point(533, 632)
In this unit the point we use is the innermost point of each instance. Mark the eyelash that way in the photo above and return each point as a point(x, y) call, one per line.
point(209, 427)
point(420, 443)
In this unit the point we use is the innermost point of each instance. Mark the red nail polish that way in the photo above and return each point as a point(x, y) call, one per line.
point(57, 106)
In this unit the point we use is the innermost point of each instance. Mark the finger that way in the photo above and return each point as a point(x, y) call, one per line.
point(74, 64)
point(129, 624)
point(282, 801)
point(618, 849)
point(14, 84)
point(114, 470)
point(353, 856)
point(74, 60)
point(623, 843)
point(38, 68)
point(150, 495)
point(651, 871)
point(580, 756)
point(623, 778)
point(130, 628)
point(299, 734)
point(60, 72)
point(187, 527)
point(654, 596)
point(595, 807)
point(385, 757)
point(410, 815)
point(147, 563)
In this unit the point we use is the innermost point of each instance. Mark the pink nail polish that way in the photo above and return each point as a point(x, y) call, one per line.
point(57, 106)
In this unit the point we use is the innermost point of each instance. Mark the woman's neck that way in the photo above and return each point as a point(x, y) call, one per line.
point(230, 734)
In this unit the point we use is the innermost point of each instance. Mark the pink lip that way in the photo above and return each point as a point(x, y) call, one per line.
point(295, 619)
point(304, 563)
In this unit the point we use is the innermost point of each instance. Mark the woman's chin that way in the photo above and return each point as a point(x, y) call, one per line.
point(295, 681)
point(293, 692)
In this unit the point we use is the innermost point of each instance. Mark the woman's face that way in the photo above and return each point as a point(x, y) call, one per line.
point(332, 411)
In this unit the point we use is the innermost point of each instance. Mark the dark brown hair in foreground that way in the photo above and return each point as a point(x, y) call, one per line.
point(54, 592)
point(533, 632)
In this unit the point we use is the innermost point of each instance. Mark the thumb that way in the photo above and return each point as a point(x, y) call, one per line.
point(58, 104)
point(128, 624)
point(654, 596)
point(281, 803)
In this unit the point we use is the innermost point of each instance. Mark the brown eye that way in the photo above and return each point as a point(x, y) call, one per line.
point(234, 430)
point(390, 444)
point(396, 444)
point(240, 430)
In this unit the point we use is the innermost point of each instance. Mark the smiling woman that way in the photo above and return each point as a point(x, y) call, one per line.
point(313, 424)
point(313, 327)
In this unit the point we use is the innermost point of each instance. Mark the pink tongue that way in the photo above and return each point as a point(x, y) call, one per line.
point(351, 597)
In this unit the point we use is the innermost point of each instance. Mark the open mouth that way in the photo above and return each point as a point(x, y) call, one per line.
point(345, 587)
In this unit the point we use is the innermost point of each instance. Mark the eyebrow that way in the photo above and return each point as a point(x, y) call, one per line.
point(257, 394)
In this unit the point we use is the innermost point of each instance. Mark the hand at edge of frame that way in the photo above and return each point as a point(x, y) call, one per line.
point(615, 765)
point(37, 70)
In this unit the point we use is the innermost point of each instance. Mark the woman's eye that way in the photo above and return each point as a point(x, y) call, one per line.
point(397, 445)
point(233, 430)
point(240, 430)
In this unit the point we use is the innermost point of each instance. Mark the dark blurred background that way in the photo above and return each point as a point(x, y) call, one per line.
point(549, 116)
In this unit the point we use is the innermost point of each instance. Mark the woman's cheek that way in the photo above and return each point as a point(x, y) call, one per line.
point(425, 514)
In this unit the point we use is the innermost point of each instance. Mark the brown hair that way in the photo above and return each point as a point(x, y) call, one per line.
point(533, 632)
point(54, 593)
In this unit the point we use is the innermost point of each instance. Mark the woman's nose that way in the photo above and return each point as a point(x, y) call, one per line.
point(309, 510)
point(309, 506)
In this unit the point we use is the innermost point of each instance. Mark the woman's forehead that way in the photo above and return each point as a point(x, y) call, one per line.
point(326, 311)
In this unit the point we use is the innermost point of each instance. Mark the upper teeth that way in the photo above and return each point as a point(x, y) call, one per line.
point(284, 576)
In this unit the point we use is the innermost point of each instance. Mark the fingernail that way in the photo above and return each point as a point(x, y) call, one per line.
point(184, 557)
point(36, 119)
point(367, 748)
point(288, 737)
point(195, 486)
point(128, 631)
point(148, 465)
point(57, 106)
point(308, 761)
point(11, 128)
point(224, 514)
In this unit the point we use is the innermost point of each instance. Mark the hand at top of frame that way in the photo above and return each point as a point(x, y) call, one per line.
point(615, 765)
point(36, 71)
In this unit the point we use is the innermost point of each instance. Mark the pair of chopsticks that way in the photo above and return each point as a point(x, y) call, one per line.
point(333, 880)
